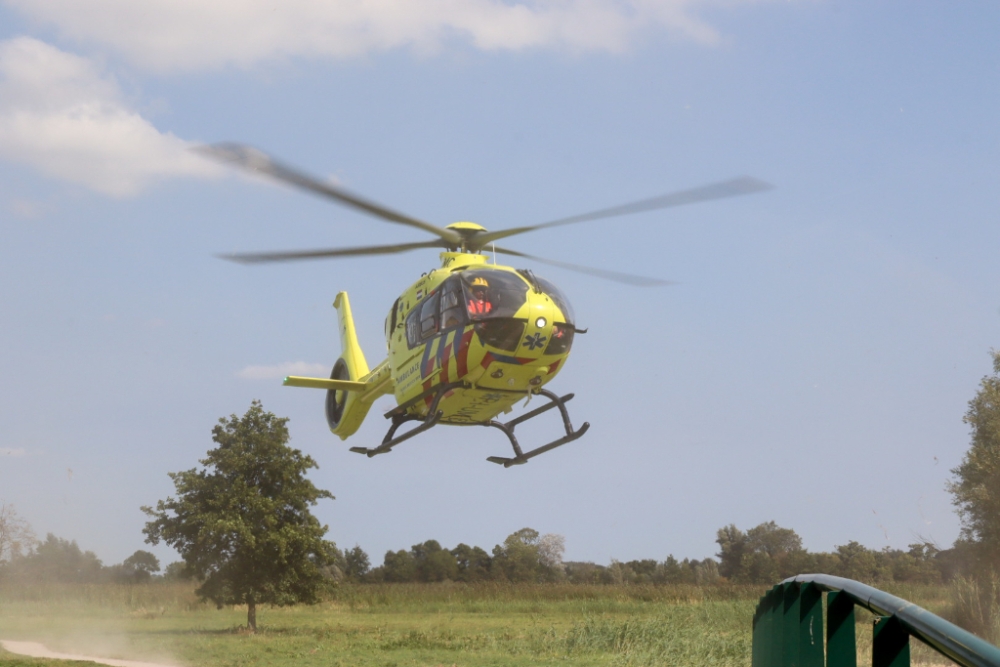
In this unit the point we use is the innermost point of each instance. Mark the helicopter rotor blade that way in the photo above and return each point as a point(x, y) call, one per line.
point(254, 160)
point(627, 278)
point(293, 255)
point(734, 187)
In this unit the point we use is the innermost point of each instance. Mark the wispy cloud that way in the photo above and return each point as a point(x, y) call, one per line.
point(281, 370)
point(192, 34)
point(61, 115)
point(7, 451)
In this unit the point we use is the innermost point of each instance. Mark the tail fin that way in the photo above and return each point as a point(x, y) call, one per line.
point(351, 352)
point(352, 388)
point(345, 410)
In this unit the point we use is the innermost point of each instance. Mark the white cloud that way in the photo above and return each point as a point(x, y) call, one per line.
point(194, 34)
point(7, 451)
point(59, 114)
point(279, 371)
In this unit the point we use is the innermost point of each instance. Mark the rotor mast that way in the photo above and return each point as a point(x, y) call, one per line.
point(464, 254)
point(466, 231)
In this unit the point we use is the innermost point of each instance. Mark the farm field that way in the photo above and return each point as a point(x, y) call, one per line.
point(407, 624)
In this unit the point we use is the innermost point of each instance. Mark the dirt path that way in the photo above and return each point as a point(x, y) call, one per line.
point(36, 650)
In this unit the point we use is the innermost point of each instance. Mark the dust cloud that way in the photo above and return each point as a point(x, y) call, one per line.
point(36, 650)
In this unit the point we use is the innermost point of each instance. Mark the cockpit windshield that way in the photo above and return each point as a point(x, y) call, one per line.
point(556, 295)
point(490, 293)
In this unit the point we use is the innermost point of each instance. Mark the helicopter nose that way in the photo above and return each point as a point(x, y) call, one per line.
point(538, 331)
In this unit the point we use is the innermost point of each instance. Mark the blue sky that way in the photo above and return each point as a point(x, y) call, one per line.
point(811, 366)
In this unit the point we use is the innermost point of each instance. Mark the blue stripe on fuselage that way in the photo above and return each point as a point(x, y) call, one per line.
point(510, 360)
point(424, 371)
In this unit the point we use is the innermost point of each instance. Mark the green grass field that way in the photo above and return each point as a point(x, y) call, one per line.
point(406, 624)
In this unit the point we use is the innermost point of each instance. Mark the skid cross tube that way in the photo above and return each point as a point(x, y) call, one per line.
point(521, 457)
point(787, 627)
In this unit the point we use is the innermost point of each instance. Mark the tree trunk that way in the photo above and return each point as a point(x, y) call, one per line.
point(252, 615)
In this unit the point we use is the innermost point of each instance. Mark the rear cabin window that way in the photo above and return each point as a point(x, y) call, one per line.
point(413, 327)
point(422, 322)
point(429, 316)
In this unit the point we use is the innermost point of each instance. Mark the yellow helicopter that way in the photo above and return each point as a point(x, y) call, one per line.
point(466, 341)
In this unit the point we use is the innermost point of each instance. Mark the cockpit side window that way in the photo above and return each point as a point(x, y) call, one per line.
point(453, 306)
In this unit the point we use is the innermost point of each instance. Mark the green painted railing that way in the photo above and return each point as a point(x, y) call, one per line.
point(788, 628)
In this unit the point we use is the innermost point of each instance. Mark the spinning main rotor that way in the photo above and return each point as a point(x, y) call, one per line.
point(463, 237)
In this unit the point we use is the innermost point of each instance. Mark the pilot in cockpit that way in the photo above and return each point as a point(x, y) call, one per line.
point(479, 304)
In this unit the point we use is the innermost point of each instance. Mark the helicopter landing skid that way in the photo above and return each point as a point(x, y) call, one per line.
point(399, 418)
point(521, 457)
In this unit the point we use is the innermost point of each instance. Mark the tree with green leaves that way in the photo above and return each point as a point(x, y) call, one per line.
point(976, 486)
point(732, 545)
point(860, 563)
point(473, 562)
point(398, 566)
point(242, 524)
point(56, 559)
point(433, 562)
point(782, 546)
point(356, 563)
point(764, 554)
point(772, 539)
point(176, 571)
point(16, 536)
point(916, 565)
point(140, 567)
point(528, 556)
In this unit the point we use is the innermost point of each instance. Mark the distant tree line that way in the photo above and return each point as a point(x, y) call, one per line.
point(525, 556)
point(764, 554)
point(769, 553)
point(761, 555)
point(57, 560)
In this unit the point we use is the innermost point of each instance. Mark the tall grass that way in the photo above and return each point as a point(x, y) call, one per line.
point(976, 606)
point(712, 633)
point(489, 596)
point(173, 596)
point(419, 624)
